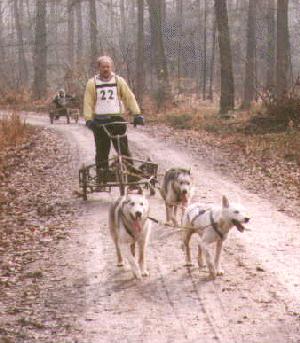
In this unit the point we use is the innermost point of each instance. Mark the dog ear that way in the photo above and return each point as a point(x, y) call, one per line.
point(225, 202)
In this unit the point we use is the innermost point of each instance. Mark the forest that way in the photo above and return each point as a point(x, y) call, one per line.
point(213, 154)
point(231, 52)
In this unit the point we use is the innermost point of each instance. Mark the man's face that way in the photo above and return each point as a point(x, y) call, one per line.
point(105, 69)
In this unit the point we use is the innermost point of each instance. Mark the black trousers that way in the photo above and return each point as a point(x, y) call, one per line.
point(103, 141)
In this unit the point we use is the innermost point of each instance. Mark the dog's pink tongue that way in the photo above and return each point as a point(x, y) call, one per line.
point(137, 226)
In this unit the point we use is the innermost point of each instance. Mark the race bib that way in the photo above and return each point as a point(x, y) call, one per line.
point(107, 97)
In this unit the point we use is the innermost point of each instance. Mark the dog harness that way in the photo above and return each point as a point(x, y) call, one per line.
point(215, 226)
point(125, 224)
point(107, 98)
point(200, 213)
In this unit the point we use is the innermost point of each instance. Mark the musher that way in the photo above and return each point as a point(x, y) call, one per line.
point(105, 97)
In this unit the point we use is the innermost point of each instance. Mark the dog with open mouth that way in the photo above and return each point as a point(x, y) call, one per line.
point(212, 225)
point(176, 192)
point(129, 225)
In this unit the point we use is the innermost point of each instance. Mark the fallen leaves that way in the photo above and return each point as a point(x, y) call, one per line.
point(36, 211)
point(266, 164)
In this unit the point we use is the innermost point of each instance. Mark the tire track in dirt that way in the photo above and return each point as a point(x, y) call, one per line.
point(107, 250)
point(174, 303)
point(186, 328)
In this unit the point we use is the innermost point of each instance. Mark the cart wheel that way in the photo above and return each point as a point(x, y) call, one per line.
point(68, 119)
point(76, 119)
point(84, 183)
point(121, 173)
point(51, 116)
point(152, 191)
point(122, 183)
point(152, 184)
point(84, 193)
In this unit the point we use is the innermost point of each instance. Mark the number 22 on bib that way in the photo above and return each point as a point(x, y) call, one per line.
point(107, 101)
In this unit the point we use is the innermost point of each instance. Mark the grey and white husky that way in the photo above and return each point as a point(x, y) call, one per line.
point(212, 225)
point(129, 224)
point(176, 191)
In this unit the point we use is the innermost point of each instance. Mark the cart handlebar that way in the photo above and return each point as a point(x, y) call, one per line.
point(104, 126)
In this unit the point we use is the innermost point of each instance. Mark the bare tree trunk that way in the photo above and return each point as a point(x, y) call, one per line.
point(22, 64)
point(156, 32)
point(140, 75)
point(131, 5)
point(271, 44)
point(111, 18)
point(123, 38)
point(227, 83)
point(53, 29)
point(39, 86)
point(290, 73)
point(123, 35)
point(78, 9)
point(249, 85)
point(199, 36)
point(71, 33)
point(2, 50)
point(204, 51)
point(159, 51)
point(163, 12)
point(93, 32)
point(282, 64)
point(179, 41)
point(212, 62)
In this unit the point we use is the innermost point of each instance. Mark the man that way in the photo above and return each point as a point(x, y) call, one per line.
point(105, 97)
point(61, 100)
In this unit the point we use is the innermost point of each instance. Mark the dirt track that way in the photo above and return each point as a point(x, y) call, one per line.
point(257, 300)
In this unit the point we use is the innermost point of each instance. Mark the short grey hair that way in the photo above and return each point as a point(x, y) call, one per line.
point(104, 59)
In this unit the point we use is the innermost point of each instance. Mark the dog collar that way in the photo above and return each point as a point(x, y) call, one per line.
point(215, 226)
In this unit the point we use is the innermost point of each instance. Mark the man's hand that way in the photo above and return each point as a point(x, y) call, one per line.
point(138, 120)
point(91, 124)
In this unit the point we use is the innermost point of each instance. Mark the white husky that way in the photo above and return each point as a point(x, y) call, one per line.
point(212, 226)
point(176, 191)
point(129, 224)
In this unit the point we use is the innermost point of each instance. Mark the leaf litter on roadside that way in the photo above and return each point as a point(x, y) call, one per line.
point(36, 212)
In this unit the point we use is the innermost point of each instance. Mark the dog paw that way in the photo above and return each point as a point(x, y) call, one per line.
point(138, 276)
point(175, 223)
point(212, 273)
point(145, 273)
point(212, 276)
point(220, 272)
point(188, 264)
point(201, 265)
point(120, 264)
